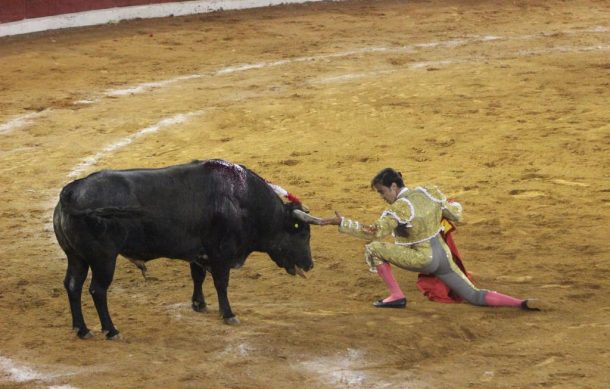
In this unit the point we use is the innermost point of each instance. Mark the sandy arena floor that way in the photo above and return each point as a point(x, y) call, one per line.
point(505, 107)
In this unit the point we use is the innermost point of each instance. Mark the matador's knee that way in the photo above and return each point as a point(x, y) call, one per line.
point(372, 255)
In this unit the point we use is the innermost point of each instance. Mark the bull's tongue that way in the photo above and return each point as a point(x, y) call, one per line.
point(299, 271)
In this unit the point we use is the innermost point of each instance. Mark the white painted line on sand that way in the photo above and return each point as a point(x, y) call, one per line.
point(20, 121)
point(431, 64)
point(92, 160)
point(427, 64)
point(148, 85)
point(19, 373)
point(451, 43)
point(340, 370)
point(352, 76)
point(14, 372)
point(562, 49)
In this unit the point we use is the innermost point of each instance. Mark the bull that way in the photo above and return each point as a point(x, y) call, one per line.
point(210, 213)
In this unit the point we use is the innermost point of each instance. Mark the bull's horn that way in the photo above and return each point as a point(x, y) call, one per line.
point(306, 218)
point(299, 271)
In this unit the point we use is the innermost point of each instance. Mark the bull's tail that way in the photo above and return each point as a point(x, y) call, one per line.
point(68, 205)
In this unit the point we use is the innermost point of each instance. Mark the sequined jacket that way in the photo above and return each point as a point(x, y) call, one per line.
point(414, 218)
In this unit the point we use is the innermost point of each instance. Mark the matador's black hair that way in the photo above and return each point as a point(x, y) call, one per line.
point(388, 176)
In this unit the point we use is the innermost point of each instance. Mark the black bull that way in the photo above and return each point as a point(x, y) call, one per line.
point(212, 214)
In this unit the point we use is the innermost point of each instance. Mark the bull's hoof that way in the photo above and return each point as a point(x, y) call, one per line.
point(113, 335)
point(199, 306)
point(232, 321)
point(84, 333)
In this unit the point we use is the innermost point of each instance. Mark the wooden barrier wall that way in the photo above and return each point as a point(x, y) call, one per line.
point(14, 10)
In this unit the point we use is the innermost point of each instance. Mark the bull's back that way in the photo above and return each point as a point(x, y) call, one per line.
point(150, 213)
point(144, 189)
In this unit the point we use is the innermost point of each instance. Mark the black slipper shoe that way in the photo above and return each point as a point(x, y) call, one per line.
point(400, 303)
point(531, 305)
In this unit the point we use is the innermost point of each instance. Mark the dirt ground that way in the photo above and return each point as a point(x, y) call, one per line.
point(504, 105)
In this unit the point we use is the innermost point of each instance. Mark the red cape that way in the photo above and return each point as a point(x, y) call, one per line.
point(431, 286)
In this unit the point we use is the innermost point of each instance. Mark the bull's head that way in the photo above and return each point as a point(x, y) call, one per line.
point(291, 250)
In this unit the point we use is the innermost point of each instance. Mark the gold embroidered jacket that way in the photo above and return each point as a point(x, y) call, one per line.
point(414, 218)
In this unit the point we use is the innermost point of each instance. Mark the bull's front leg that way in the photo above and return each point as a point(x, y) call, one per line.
point(220, 274)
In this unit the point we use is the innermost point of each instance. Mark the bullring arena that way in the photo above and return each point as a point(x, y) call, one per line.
point(504, 105)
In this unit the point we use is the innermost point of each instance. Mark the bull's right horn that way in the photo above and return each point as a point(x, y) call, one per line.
point(306, 218)
point(300, 272)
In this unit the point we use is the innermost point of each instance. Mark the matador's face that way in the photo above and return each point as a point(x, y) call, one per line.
point(388, 193)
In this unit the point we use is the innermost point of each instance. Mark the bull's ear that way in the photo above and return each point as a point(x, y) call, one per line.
point(306, 218)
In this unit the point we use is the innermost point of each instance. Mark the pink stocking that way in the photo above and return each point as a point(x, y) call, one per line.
point(496, 299)
point(385, 272)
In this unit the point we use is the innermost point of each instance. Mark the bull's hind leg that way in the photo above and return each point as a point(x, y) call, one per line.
point(73, 282)
point(198, 276)
point(102, 274)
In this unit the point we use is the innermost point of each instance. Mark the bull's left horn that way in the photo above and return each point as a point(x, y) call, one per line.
point(306, 218)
